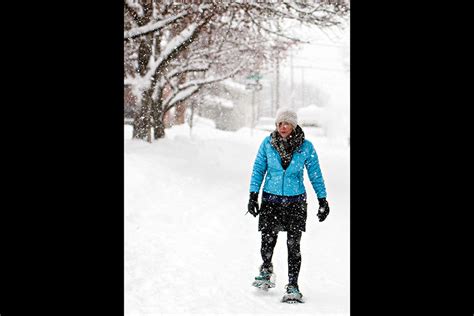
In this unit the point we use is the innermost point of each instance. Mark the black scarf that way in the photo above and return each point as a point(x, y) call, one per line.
point(286, 147)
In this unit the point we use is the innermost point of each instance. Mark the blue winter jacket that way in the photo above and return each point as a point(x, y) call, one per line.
point(290, 181)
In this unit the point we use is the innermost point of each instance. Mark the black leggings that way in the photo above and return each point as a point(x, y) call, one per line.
point(269, 239)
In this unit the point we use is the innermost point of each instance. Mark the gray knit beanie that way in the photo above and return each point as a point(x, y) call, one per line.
point(286, 115)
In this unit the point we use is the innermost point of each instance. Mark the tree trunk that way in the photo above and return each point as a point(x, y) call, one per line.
point(158, 124)
point(159, 129)
point(157, 113)
point(141, 123)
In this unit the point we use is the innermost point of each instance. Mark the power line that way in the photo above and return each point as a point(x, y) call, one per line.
point(291, 89)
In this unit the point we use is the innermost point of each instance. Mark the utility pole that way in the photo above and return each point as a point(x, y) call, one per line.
point(277, 84)
point(253, 112)
point(302, 87)
point(272, 109)
point(291, 80)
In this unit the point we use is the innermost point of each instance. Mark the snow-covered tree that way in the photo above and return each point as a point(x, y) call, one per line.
point(173, 49)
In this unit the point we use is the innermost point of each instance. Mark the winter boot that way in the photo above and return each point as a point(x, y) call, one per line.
point(266, 279)
point(293, 294)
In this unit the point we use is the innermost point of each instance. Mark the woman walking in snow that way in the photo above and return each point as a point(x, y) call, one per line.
point(281, 159)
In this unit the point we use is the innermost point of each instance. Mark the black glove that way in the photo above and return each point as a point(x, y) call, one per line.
point(253, 204)
point(323, 210)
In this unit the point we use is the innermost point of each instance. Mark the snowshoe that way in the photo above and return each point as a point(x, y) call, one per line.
point(265, 280)
point(292, 295)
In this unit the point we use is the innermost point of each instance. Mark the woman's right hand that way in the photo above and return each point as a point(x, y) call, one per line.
point(253, 204)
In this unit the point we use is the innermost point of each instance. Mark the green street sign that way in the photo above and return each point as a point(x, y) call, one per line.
point(254, 77)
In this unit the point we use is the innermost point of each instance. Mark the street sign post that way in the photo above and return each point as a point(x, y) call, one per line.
point(254, 86)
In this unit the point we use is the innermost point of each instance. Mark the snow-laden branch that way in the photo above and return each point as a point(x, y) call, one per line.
point(176, 42)
point(180, 95)
point(188, 89)
point(190, 68)
point(133, 4)
point(137, 85)
point(151, 27)
point(176, 45)
point(211, 80)
point(172, 46)
point(129, 81)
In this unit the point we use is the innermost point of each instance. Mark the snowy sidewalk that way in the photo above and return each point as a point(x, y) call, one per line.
point(190, 250)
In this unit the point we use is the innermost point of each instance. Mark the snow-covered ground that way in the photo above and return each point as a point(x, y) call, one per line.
point(189, 248)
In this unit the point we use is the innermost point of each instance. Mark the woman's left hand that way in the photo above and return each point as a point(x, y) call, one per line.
point(323, 210)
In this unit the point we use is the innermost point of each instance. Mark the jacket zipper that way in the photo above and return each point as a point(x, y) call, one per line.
point(283, 183)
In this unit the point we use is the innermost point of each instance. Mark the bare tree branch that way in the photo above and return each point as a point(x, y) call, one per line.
point(296, 40)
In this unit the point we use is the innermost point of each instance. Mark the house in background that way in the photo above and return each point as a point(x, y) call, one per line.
point(313, 118)
point(227, 103)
